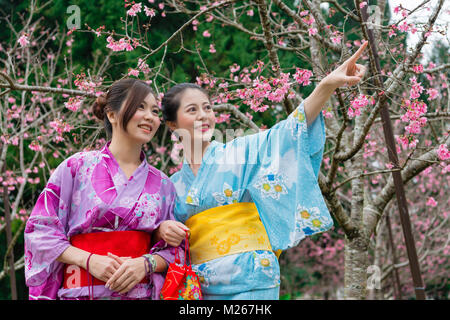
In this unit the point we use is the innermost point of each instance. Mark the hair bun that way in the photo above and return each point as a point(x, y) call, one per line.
point(98, 108)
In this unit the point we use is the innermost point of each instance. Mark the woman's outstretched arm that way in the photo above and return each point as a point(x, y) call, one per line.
point(347, 74)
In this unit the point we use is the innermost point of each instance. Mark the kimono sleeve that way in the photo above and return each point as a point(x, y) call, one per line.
point(281, 174)
point(45, 232)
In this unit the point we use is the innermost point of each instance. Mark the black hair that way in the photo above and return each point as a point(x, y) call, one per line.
point(170, 103)
point(133, 91)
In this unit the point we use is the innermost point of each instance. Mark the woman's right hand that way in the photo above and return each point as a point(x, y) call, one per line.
point(172, 232)
point(102, 267)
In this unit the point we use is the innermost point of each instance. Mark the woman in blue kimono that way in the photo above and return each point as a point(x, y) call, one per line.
point(246, 200)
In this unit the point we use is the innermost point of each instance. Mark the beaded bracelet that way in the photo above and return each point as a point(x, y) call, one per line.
point(150, 266)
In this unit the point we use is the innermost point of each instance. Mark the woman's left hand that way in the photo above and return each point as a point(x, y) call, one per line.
point(349, 73)
point(129, 274)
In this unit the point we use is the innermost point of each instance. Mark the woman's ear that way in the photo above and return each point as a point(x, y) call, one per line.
point(112, 117)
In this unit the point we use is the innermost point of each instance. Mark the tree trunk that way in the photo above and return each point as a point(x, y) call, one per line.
point(376, 292)
point(356, 264)
point(356, 249)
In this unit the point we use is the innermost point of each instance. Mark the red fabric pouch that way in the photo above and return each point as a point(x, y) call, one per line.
point(181, 283)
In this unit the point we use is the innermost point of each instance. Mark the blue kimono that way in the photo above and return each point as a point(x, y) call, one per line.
point(277, 170)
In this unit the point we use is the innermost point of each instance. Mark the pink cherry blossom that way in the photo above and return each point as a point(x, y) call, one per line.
point(60, 126)
point(234, 68)
point(23, 40)
point(336, 40)
point(34, 145)
point(309, 20)
point(404, 27)
point(392, 33)
point(356, 104)
point(433, 93)
point(416, 88)
point(142, 66)
point(149, 12)
point(415, 126)
point(73, 104)
point(136, 8)
point(418, 68)
point(133, 72)
point(406, 141)
point(212, 49)
point(414, 110)
point(312, 31)
point(206, 34)
point(223, 118)
point(122, 44)
point(302, 76)
point(161, 150)
point(431, 202)
point(443, 153)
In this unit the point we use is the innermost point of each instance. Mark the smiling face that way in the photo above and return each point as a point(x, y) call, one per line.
point(143, 124)
point(195, 117)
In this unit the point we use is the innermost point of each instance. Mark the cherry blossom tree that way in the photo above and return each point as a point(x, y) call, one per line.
point(45, 116)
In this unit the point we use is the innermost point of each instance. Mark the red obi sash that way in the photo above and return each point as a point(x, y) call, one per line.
point(121, 243)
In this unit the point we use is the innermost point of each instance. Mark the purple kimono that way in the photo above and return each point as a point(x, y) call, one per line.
point(89, 192)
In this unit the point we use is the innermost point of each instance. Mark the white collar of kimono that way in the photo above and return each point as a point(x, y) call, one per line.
point(142, 157)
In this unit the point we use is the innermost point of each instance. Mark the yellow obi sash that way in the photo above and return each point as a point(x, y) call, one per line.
point(226, 230)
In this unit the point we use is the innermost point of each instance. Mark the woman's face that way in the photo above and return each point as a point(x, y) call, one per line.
point(195, 117)
point(143, 125)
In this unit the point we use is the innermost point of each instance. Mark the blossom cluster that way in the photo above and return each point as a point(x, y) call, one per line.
point(415, 111)
point(273, 90)
point(142, 66)
point(23, 40)
point(122, 44)
point(85, 84)
point(443, 152)
point(302, 76)
point(73, 104)
point(137, 7)
point(59, 126)
point(357, 104)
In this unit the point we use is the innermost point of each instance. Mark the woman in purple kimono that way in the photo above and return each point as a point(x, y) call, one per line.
point(89, 234)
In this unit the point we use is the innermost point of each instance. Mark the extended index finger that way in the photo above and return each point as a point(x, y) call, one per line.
point(359, 52)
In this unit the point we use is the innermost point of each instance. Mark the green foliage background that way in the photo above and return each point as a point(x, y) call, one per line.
point(179, 66)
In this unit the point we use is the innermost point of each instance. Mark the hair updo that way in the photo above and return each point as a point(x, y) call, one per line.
point(170, 103)
point(98, 108)
point(123, 98)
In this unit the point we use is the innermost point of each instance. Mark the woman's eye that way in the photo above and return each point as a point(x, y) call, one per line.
point(208, 107)
point(155, 111)
point(141, 106)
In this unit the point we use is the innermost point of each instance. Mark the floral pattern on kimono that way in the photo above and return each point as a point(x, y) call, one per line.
point(277, 170)
point(89, 192)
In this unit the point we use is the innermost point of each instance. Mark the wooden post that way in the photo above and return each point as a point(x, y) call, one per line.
point(419, 287)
